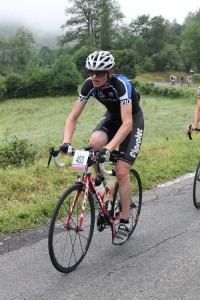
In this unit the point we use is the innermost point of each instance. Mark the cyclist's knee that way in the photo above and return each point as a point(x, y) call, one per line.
point(98, 140)
point(122, 173)
point(96, 144)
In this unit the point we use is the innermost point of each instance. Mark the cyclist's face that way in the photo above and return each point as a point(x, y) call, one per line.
point(99, 78)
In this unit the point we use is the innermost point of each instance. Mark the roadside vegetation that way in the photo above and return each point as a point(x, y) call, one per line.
point(37, 88)
point(29, 191)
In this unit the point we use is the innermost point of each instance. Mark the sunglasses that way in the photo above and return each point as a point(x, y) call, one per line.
point(97, 73)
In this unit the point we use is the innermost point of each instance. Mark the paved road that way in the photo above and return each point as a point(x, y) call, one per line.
point(160, 261)
point(177, 85)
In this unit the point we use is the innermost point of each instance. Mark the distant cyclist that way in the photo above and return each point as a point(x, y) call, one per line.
point(172, 80)
point(182, 80)
point(121, 126)
point(189, 80)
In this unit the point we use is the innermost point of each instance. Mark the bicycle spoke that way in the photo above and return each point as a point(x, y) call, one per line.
point(67, 243)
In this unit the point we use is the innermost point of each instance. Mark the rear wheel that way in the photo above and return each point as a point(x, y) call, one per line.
point(136, 202)
point(68, 241)
point(196, 187)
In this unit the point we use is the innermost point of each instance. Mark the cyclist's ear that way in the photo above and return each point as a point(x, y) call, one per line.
point(110, 73)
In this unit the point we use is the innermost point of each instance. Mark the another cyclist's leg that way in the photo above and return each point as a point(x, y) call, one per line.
point(129, 150)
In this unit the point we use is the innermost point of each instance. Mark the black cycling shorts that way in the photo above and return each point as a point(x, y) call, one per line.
point(130, 147)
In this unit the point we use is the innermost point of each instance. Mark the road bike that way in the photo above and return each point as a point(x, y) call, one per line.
point(73, 220)
point(196, 183)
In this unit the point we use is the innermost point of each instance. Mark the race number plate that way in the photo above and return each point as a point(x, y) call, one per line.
point(80, 159)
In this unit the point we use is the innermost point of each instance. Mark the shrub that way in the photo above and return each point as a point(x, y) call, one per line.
point(17, 153)
point(39, 82)
point(79, 58)
point(125, 62)
point(2, 88)
point(150, 89)
point(196, 78)
point(65, 77)
point(15, 86)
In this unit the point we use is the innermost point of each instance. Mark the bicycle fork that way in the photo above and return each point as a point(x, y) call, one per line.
point(84, 202)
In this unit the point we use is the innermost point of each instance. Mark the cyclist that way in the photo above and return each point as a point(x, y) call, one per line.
point(122, 125)
point(189, 80)
point(182, 80)
point(197, 112)
point(172, 80)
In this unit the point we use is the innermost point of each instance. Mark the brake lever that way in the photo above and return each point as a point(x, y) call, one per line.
point(51, 150)
point(52, 153)
point(189, 132)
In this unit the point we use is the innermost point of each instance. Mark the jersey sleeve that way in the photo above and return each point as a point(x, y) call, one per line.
point(198, 96)
point(87, 90)
point(124, 91)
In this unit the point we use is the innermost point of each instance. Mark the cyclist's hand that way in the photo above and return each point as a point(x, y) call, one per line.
point(194, 126)
point(189, 131)
point(102, 151)
point(66, 148)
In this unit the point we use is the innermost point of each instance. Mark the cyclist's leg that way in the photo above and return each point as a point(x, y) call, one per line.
point(123, 177)
point(103, 132)
point(98, 139)
point(129, 150)
point(122, 172)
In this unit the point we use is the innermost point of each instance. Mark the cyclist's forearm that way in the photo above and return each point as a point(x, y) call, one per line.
point(197, 116)
point(70, 126)
point(119, 137)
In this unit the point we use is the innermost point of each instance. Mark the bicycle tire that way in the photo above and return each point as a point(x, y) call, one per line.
point(136, 201)
point(69, 245)
point(196, 187)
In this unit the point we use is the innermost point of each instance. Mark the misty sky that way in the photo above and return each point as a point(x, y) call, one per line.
point(49, 14)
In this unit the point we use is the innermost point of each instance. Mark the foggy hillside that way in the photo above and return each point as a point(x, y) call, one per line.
point(42, 37)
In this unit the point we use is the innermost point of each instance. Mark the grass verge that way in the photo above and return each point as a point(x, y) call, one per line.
point(29, 194)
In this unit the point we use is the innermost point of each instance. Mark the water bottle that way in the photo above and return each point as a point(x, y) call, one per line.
point(110, 187)
point(99, 187)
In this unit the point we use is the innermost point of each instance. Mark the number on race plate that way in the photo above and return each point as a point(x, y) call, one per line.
point(80, 159)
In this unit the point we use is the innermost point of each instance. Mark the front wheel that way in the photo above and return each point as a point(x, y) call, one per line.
point(71, 229)
point(196, 187)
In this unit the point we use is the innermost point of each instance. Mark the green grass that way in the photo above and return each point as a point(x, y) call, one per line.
point(28, 194)
point(160, 76)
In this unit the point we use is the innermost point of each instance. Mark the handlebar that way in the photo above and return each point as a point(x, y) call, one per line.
point(94, 158)
point(189, 131)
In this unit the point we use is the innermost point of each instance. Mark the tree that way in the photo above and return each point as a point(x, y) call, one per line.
point(140, 26)
point(166, 59)
point(91, 22)
point(156, 35)
point(46, 56)
point(79, 58)
point(190, 42)
point(21, 48)
point(4, 57)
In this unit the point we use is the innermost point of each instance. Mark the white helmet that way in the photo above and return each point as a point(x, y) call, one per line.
point(100, 61)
